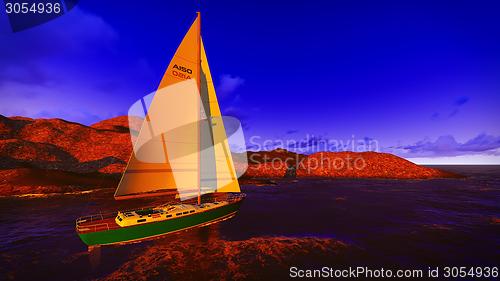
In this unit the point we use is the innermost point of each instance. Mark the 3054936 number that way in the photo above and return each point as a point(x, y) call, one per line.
point(471, 272)
point(33, 8)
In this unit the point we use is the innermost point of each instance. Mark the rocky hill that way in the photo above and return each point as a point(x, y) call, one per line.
point(365, 165)
point(281, 163)
point(56, 144)
point(54, 155)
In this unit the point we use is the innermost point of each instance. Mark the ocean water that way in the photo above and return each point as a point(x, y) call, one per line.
point(407, 224)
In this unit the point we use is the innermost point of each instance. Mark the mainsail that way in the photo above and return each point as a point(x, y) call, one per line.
point(182, 146)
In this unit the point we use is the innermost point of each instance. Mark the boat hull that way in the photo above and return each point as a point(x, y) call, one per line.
point(154, 229)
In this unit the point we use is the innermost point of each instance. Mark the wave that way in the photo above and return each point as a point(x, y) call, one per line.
point(46, 195)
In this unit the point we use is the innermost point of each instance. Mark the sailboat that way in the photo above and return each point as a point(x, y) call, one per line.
point(181, 151)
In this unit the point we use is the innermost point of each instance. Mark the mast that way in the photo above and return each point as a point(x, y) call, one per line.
point(198, 80)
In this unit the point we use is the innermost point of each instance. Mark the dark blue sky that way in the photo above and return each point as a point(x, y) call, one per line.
point(421, 78)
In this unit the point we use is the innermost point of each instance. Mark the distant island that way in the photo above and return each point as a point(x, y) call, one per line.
point(58, 156)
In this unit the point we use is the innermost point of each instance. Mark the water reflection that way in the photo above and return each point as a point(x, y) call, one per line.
point(410, 222)
point(94, 254)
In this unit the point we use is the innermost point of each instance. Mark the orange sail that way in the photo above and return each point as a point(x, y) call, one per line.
point(144, 177)
point(186, 62)
point(182, 146)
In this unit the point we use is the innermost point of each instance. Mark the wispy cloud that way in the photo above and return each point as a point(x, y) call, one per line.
point(228, 84)
point(307, 142)
point(461, 101)
point(447, 146)
point(75, 32)
point(453, 111)
point(237, 113)
point(231, 102)
point(435, 116)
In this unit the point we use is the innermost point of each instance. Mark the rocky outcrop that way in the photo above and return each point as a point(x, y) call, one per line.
point(54, 155)
point(365, 165)
point(277, 163)
point(261, 258)
point(55, 144)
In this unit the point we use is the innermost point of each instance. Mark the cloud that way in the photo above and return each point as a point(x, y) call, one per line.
point(68, 101)
point(448, 146)
point(75, 32)
point(28, 73)
point(455, 109)
point(31, 55)
point(237, 113)
point(461, 101)
point(228, 84)
point(481, 143)
point(309, 142)
point(435, 116)
point(453, 113)
point(68, 68)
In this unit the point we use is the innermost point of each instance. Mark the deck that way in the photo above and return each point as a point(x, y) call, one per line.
point(95, 223)
point(106, 221)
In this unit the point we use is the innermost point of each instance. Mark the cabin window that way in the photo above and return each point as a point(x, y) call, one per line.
point(178, 214)
point(169, 216)
point(192, 211)
point(120, 219)
point(142, 220)
point(216, 203)
point(185, 213)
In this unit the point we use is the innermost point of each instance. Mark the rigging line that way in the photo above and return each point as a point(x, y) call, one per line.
point(198, 63)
